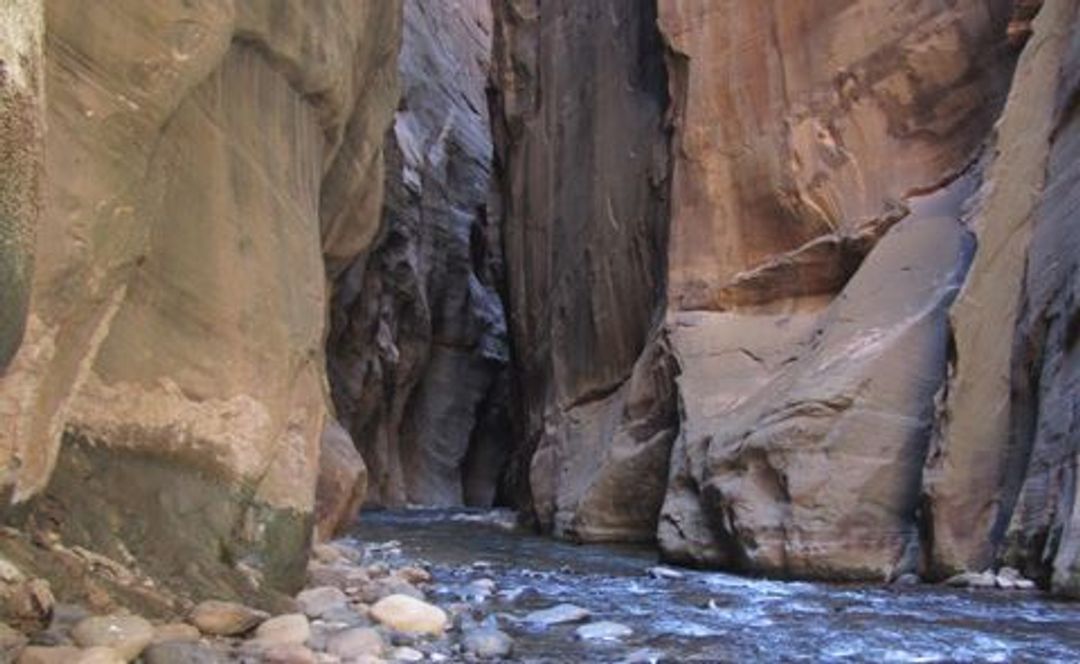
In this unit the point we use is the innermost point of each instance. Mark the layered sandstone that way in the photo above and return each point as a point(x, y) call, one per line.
point(166, 405)
point(418, 346)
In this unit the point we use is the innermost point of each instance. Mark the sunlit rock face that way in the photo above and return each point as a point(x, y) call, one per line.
point(583, 151)
point(203, 158)
point(418, 347)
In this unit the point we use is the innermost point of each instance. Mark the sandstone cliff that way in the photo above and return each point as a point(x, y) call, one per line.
point(834, 168)
point(582, 147)
point(418, 345)
point(203, 159)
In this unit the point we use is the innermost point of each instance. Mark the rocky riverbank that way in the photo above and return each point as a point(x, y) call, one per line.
point(439, 586)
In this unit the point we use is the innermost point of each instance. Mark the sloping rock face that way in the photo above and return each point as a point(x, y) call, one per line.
point(979, 457)
point(166, 405)
point(582, 145)
point(808, 394)
point(22, 115)
point(419, 347)
point(783, 406)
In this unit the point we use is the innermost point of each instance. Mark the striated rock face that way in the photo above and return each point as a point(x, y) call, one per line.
point(582, 146)
point(22, 114)
point(166, 404)
point(783, 181)
point(1042, 536)
point(418, 344)
point(978, 458)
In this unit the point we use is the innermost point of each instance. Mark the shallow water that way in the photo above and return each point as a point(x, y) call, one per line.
point(708, 616)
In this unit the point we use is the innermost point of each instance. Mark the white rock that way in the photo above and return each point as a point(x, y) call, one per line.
point(407, 654)
point(288, 629)
point(410, 615)
point(127, 635)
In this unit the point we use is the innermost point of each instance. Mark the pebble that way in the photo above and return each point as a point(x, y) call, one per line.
point(127, 635)
point(49, 655)
point(355, 642)
point(410, 615)
point(488, 642)
point(182, 652)
point(414, 575)
point(375, 590)
point(225, 618)
point(407, 654)
point(558, 615)
point(317, 602)
point(603, 631)
point(291, 628)
point(288, 653)
point(100, 655)
point(175, 632)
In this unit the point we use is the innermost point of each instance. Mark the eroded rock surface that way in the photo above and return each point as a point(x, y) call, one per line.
point(978, 461)
point(419, 337)
point(198, 155)
point(582, 142)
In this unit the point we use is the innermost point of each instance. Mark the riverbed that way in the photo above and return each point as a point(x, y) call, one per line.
point(685, 615)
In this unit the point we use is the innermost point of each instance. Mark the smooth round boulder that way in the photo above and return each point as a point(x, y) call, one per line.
point(218, 618)
point(182, 652)
point(288, 629)
point(127, 635)
point(176, 632)
point(100, 655)
point(356, 642)
point(409, 615)
point(317, 602)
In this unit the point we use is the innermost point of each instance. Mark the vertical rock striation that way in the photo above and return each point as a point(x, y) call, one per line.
point(582, 148)
point(418, 344)
point(166, 406)
point(978, 459)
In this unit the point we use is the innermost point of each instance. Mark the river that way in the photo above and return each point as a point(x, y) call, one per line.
point(709, 616)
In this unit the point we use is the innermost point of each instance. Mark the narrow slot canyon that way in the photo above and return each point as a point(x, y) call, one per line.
point(341, 331)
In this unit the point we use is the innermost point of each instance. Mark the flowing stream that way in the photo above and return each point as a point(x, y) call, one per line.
point(709, 616)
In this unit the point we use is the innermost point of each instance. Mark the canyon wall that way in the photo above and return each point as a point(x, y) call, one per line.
point(766, 339)
point(583, 166)
point(418, 349)
point(203, 161)
point(816, 246)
